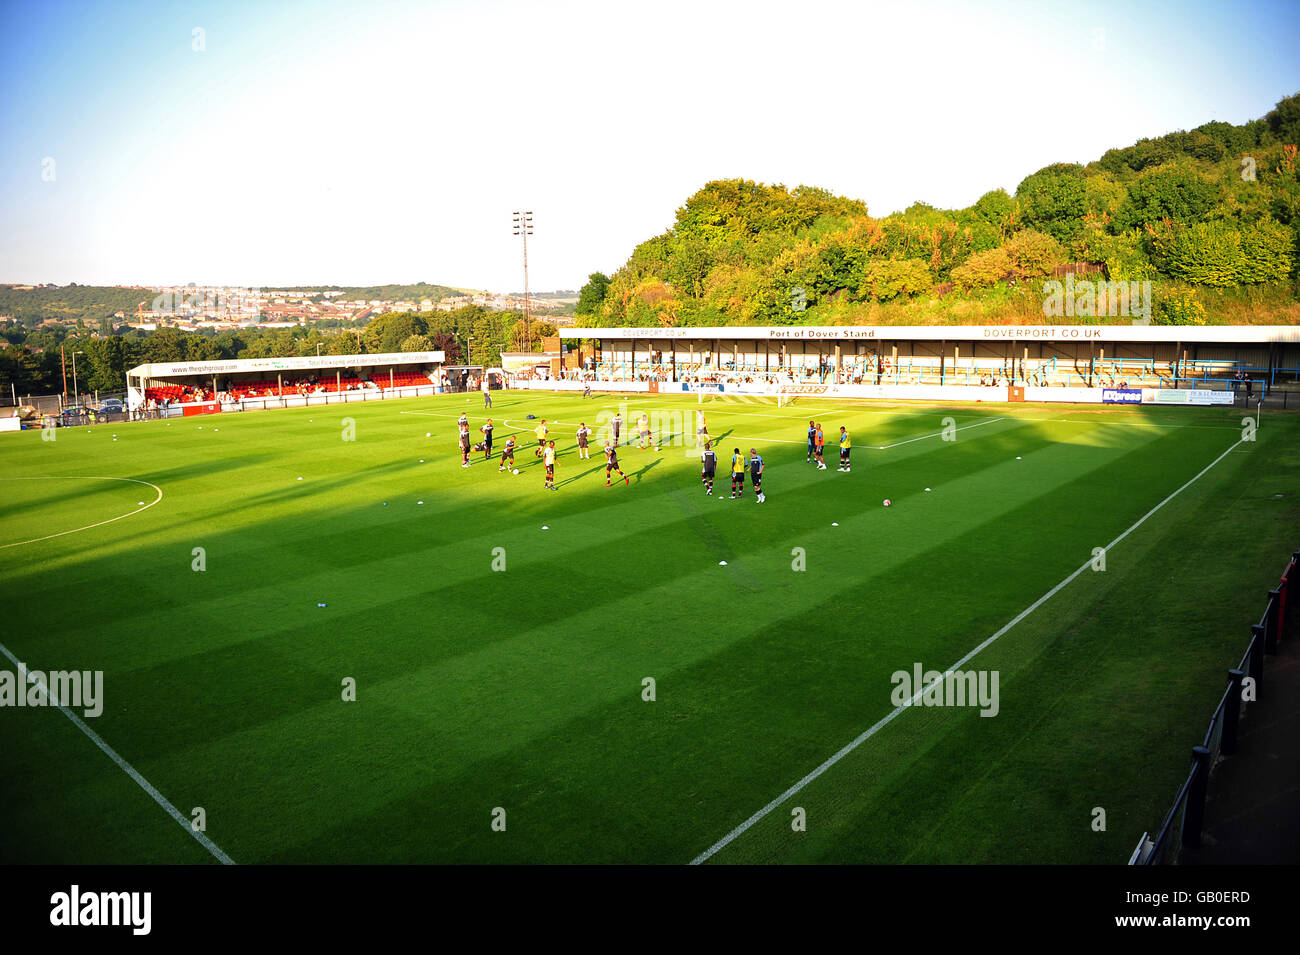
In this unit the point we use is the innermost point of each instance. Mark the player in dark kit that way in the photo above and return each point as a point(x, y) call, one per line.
point(812, 439)
point(710, 462)
point(464, 445)
point(756, 475)
point(737, 473)
point(508, 453)
point(611, 464)
point(617, 424)
point(487, 439)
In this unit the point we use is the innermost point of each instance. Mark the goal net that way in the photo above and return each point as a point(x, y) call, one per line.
point(784, 397)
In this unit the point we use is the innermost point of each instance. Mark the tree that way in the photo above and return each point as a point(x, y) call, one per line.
point(386, 332)
point(344, 343)
point(201, 348)
point(108, 360)
point(1054, 200)
point(165, 345)
point(416, 343)
point(536, 331)
point(593, 294)
point(997, 209)
point(1175, 193)
point(446, 343)
point(1266, 251)
point(1284, 120)
point(889, 278)
point(1204, 253)
point(983, 268)
point(1033, 253)
point(1124, 256)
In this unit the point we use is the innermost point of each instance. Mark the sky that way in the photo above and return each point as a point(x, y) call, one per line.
point(278, 144)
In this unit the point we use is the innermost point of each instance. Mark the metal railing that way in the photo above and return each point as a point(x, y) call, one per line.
point(1183, 823)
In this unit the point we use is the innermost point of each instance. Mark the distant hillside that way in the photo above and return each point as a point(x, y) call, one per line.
point(1210, 217)
point(90, 303)
point(386, 293)
point(93, 304)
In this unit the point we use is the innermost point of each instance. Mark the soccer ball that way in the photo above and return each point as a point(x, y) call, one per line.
point(515, 471)
point(886, 502)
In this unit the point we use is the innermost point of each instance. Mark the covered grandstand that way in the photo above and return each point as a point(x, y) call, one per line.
point(205, 387)
point(1027, 362)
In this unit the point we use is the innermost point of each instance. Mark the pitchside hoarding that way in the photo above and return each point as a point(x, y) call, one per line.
point(1183, 396)
point(963, 393)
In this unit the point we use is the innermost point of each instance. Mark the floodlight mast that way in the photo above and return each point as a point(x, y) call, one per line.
point(523, 229)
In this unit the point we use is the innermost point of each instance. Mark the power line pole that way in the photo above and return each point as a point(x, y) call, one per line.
point(524, 228)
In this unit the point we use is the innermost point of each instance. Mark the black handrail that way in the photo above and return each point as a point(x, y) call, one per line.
point(1190, 801)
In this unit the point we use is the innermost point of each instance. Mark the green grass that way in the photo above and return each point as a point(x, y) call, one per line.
point(522, 689)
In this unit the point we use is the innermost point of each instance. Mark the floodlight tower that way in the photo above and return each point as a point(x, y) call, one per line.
point(523, 229)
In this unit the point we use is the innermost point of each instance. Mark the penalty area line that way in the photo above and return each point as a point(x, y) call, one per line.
point(130, 770)
point(889, 717)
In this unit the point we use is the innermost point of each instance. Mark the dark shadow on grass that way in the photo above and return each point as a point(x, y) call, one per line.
point(161, 478)
point(636, 475)
point(578, 477)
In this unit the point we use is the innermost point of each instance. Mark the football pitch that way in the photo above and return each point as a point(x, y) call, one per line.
point(578, 677)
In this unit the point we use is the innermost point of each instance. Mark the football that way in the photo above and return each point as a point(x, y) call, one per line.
point(515, 471)
point(886, 502)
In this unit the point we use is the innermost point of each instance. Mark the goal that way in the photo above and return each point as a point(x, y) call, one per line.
point(785, 396)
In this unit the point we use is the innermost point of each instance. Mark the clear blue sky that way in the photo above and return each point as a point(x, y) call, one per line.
point(363, 143)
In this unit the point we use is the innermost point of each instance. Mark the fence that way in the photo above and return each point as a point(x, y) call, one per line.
point(1182, 824)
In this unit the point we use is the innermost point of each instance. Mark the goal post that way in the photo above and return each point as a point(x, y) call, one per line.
point(785, 397)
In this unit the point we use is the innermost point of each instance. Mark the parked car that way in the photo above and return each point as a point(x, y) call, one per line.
point(73, 411)
point(112, 406)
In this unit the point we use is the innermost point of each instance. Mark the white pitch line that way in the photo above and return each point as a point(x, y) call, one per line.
point(72, 477)
point(965, 427)
point(888, 718)
point(130, 770)
point(732, 437)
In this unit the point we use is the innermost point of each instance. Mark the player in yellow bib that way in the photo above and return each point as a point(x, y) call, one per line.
point(845, 445)
point(737, 473)
point(542, 431)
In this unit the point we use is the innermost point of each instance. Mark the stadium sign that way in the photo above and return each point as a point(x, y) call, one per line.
point(1121, 396)
point(707, 387)
point(306, 363)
